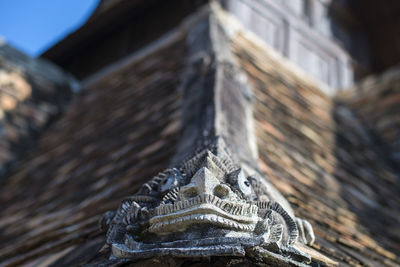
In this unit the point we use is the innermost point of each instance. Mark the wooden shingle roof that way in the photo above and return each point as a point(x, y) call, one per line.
point(116, 133)
point(376, 100)
point(33, 92)
point(126, 125)
point(323, 159)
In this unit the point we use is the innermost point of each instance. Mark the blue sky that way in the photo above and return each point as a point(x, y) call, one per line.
point(33, 26)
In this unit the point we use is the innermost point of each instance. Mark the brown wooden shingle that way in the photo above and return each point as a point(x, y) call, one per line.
point(33, 92)
point(321, 157)
point(116, 134)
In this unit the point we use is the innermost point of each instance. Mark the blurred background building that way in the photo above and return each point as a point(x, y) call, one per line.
point(337, 42)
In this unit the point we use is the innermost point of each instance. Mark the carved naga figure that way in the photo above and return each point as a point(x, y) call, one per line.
point(208, 206)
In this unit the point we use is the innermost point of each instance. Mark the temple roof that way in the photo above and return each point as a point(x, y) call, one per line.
point(116, 133)
point(376, 101)
point(124, 126)
point(33, 92)
point(320, 155)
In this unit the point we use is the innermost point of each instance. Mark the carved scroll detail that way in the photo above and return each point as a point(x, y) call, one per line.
point(207, 206)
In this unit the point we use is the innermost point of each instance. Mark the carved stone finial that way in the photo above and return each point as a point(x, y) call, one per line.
point(207, 206)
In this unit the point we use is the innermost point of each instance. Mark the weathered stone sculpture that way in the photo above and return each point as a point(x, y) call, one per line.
point(212, 203)
point(207, 206)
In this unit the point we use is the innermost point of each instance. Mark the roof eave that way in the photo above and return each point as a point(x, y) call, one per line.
point(99, 24)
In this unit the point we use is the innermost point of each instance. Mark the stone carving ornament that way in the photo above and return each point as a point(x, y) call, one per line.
point(207, 206)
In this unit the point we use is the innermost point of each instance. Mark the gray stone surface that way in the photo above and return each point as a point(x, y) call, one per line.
point(213, 202)
point(207, 206)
